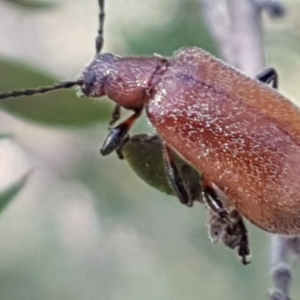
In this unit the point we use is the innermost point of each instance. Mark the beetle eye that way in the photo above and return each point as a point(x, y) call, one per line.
point(88, 82)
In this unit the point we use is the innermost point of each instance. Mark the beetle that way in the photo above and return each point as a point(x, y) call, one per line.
point(238, 132)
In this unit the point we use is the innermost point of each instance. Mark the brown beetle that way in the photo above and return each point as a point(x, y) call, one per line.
point(242, 135)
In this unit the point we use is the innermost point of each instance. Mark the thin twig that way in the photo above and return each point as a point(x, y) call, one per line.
point(218, 24)
point(246, 36)
point(281, 270)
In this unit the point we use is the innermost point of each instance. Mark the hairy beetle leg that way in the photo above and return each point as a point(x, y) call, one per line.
point(243, 250)
point(269, 76)
point(192, 185)
point(225, 222)
point(119, 150)
point(115, 116)
point(116, 136)
point(175, 179)
point(233, 233)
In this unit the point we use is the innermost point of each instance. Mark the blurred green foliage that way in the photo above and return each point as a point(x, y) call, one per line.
point(34, 3)
point(185, 28)
point(8, 194)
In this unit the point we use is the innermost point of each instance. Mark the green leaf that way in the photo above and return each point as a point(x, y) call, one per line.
point(5, 136)
point(7, 195)
point(144, 154)
point(34, 3)
point(62, 108)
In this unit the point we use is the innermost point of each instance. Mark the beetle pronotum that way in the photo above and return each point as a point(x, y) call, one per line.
point(241, 134)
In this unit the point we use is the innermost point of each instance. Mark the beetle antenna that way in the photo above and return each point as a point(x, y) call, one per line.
point(99, 38)
point(41, 90)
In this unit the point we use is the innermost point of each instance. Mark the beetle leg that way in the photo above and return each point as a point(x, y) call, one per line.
point(116, 115)
point(212, 199)
point(174, 177)
point(232, 234)
point(117, 134)
point(269, 76)
point(243, 249)
point(119, 150)
point(237, 236)
point(191, 182)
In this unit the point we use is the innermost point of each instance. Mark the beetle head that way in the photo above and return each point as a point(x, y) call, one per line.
point(95, 75)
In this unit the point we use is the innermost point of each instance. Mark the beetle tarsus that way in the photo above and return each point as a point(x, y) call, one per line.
point(243, 250)
point(117, 135)
point(244, 253)
point(269, 76)
point(113, 140)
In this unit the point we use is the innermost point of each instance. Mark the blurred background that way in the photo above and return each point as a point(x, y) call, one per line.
point(84, 226)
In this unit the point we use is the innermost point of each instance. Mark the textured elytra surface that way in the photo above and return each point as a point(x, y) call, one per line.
point(239, 133)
